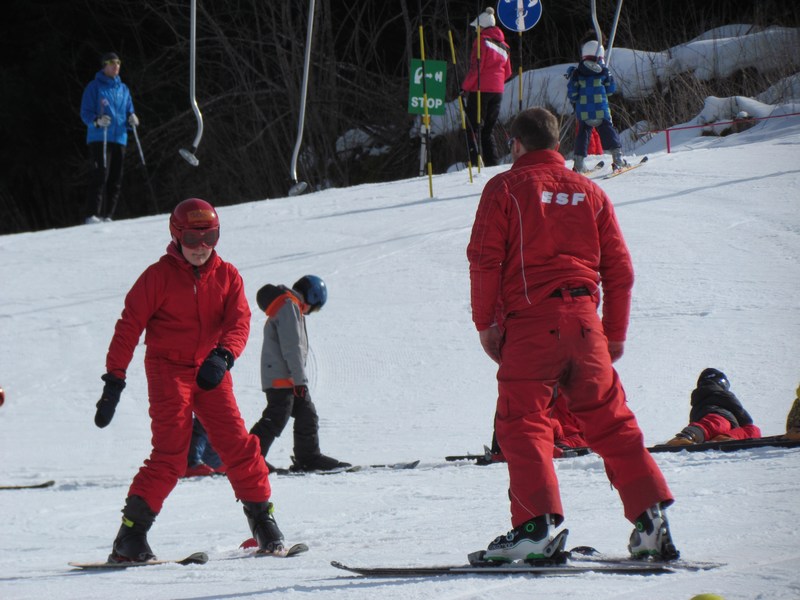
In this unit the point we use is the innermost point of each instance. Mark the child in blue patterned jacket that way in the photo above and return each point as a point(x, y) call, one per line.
point(589, 85)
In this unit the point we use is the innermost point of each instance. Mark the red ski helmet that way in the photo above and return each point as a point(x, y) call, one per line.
point(192, 214)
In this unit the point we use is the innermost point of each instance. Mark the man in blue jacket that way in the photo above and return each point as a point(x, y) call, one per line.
point(107, 110)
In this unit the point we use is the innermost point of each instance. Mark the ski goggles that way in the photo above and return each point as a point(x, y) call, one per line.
point(194, 238)
point(113, 61)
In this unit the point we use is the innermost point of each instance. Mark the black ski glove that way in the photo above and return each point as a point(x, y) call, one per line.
point(300, 391)
point(213, 368)
point(109, 400)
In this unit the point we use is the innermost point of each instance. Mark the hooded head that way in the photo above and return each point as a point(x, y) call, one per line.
point(485, 19)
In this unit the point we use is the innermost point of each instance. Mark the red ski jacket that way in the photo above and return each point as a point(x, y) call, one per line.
point(495, 63)
point(540, 227)
point(186, 311)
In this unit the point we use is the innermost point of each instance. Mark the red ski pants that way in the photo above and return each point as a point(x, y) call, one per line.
point(561, 341)
point(713, 425)
point(174, 396)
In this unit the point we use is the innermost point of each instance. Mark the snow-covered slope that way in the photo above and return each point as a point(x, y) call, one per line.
point(398, 374)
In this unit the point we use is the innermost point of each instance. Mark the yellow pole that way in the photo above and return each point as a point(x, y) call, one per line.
point(478, 56)
point(426, 118)
point(461, 107)
point(520, 71)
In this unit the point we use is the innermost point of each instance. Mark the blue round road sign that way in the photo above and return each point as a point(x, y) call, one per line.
point(519, 15)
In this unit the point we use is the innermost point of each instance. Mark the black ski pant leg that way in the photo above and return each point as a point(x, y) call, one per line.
point(582, 139)
point(116, 161)
point(97, 180)
point(306, 429)
point(198, 444)
point(280, 405)
point(490, 113)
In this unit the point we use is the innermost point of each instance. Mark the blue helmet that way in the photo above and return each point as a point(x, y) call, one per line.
point(314, 291)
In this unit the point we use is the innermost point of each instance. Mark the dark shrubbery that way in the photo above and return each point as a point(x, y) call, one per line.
point(249, 72)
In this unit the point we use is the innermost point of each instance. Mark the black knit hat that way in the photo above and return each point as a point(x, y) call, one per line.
point(108, 56)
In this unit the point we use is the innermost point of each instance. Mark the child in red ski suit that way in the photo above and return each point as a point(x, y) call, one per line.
point(193, 310)
point(544, 240)
point(716, 415)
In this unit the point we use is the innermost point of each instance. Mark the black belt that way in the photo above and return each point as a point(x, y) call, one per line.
point(581, 291)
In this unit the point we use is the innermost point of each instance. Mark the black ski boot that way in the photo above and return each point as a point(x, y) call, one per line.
point(131, 542)
point(318, 462)
point(263, 526)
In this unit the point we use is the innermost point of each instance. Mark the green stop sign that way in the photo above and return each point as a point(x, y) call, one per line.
point(435, 87)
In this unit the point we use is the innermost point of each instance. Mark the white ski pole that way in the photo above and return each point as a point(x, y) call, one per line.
point(138, 143)
point(103, 103)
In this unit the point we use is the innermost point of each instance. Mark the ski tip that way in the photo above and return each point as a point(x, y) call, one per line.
point(286, 551)
point(30, 486)
point(198, 558)
point(297, 549)
point(584, 551)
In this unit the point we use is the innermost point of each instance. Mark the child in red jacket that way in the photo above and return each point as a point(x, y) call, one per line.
point(716, 414)
point(193, 310)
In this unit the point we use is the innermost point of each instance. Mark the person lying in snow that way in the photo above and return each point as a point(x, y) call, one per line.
point(716, 414)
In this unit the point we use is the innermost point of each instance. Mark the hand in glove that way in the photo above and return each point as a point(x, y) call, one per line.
point(214, 368)
point(133, 120)
point(102, 121)
point(109, 400)
point(300, 391)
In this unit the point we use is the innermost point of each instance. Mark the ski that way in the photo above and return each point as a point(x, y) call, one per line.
point(588, 555)
point(778, 441)
point(625, 169)
point(352, 469)
point(510, 569)
point(583, 559)
point(594, 171)
point(488, 459)
point(480, 459)
point(32, 486)
point(198, 558)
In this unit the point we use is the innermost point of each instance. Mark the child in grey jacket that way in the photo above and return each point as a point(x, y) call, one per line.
point(283, 371)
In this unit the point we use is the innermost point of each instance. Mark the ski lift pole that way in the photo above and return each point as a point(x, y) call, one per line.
point(460, 99)
point(426, 118)
point(298, 187)
point(613, 32)
point(189, 155)
point(598, 33)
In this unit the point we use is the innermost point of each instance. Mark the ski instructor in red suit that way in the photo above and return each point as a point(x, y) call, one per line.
point(193, 310)
point(545, 239)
